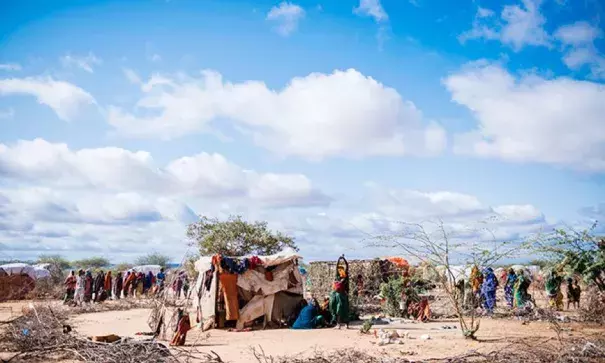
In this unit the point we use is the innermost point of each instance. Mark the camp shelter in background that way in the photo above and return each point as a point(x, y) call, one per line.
point(18, 279)
point(268, 286)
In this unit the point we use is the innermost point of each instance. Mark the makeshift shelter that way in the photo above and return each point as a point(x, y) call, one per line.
point(16, 281)
point(247, 288)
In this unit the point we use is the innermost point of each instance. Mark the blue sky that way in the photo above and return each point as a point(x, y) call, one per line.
point(332, 120)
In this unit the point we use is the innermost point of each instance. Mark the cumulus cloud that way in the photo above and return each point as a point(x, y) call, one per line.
point(579, 49)
point(85, 63)
point(372, 8)
point(287, 16)
point(518, 26)
point(344, 113)
point(64, 98)
point(120, 170)
point(10, 67)
point(530, 118)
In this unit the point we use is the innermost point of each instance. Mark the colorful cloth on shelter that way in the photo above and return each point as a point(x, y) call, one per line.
point(234, 265)
point(509, 288)
point(488, 290)
point(229, 290)
point(254, 262)
point(308, 318)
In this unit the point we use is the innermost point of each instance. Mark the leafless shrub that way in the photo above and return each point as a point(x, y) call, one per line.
point(594, 309)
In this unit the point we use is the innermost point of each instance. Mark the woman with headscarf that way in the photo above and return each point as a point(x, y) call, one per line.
point(339, 298)
point(99, 286)
point(182, 327)
point(140, 282)
point(476, 280)
point(553, 291)
point(309, 317)
point(509, 287)
point(107, 284)
point(128, 282)
point(88, 286)
point(520, 290)
point(488, 290)
point(118, 286)
point(148, 283)
point(574, 291)
point(70, 287)
point(80, 285)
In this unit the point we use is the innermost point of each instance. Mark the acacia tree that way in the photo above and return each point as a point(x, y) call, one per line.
point(153, 259)
point(438, 249)
point(92, 263)
point(578, 252)
point(57, 264)
point(237, 237)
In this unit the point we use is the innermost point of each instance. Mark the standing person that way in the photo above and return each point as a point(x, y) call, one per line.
point(521, 286)
point(88, 286)
point(70, 287)
point(80, 286)
point(127, 282)
point(140, 284)
point(488, 290)
point(573, 293)
point(178, 285)
point(186, 287)
point(118, 286)
point(107, 284)
point(476, 280)
point(161, 279)
point(553, 290)
point(339, 298)
point(509, 287)
point(99, 285)
point(148, 282)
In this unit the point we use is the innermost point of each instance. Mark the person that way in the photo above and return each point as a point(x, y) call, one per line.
point(186, 287)
point(160, 279)
point(98, 286)
point(573, 293)
point(488, 290)
point(148, 283)
point(553, 290)
point(339, 298)
point(107, 284)
point(182, 327)
point(118, 286)
point(126, 283)
point(460, 292)
point(80, 286)
point(509, 287)
point(520, 290)
point(476, 280)
point(140, 284)
point(309, 317)
point(88, 286)
point(70, 287)
point(177, 285)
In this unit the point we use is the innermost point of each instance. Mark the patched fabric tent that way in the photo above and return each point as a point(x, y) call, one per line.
point(19, 269)
point(269, 287)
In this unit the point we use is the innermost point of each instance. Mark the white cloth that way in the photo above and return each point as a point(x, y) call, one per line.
point(19, 268)
point(255, 308)
point(79, 293)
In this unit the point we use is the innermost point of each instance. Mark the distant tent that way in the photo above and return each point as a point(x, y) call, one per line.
point(155, 269)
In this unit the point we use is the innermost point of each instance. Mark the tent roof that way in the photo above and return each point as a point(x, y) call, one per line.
point(288, 254)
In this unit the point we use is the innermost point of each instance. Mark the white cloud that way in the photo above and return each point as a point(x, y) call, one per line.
point(579, 48)
point(287, 16)
point(64, 98)
point(118, 170)
point(340, 114)
point(372, 8)
point(519, 26)
point(7, 114)
point(85, 63)
point(531, 119)
point(132, 76)
point(10, 67)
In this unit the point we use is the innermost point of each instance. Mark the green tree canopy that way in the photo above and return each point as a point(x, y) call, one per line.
point(56, 261)
point(153, 259)
point(578, 252)
point(237, 237)
point(92, 263)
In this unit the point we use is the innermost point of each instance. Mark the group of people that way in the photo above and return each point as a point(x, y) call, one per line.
point(482, 287)
point(84, 288)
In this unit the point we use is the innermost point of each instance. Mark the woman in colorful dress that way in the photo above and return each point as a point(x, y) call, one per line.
point(553, 291)
point(509, 287)
point(488, 290)
point(339, 298)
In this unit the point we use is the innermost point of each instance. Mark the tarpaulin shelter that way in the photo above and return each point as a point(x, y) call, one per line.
point(145, 269)
point(16, 281)
point(267, 286)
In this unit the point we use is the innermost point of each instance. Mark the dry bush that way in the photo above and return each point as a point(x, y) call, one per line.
point(42, 335)
point(46, 289)
point(594, 309)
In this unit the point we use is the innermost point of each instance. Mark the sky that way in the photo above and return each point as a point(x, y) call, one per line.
point(334, 121)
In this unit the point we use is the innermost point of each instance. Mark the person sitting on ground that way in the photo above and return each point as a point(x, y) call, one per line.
point(309, 317)
point(574, 291)
point(70, 287)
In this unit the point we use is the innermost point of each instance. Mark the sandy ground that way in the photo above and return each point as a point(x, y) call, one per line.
point(237, 346)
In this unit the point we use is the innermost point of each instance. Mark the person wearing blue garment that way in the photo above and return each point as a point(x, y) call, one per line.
point(488, 290)
point(509, 287)
point(309, 317)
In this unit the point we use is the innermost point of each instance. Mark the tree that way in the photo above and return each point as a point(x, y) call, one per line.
point(92, 263)
point(153, 259)
point(437, 248)
point(236, 237)
point(121, 267)
point(57, 265)
point(577, 252)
